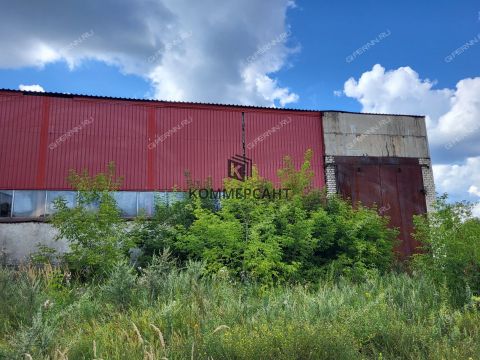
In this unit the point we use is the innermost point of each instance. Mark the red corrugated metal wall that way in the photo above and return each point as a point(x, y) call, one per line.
point(271, 136)
point(201, 145)
point(20, 123)
point(109, 131)
point(151, 143)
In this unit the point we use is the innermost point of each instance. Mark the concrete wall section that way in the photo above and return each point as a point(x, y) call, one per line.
point(347, 134)
point(19, 240)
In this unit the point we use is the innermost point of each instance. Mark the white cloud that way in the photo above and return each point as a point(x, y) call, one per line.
point(35, 87)
point(458, 178)
point(452, 115)
point(455, 179)
point(474, 190)
point(462, 121)
point(476, 210)
point(211, 64)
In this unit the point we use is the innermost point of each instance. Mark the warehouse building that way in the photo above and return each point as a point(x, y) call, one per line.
point(372, 158)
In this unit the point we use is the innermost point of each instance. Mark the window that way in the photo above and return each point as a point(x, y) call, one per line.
point(145, 203)
point(69, 196)
point(6, 197)
point(38, 203)
point(28, 203)
point(126, 202)
point(175, 196)
point(161, 198)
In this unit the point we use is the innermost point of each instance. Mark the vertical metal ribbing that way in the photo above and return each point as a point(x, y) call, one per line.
point(45, 205)
point(12, 208)
point(43, 144)
point(244, 159)
point(244, 153)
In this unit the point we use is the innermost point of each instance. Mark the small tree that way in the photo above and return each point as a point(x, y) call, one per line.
point(298, 181)
point(95, 232)
point(451, 247)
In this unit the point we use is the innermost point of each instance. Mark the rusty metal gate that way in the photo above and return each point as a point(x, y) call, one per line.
point(395, 185)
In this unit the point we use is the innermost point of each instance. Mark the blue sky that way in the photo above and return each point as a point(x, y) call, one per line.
point(422, 34)
point(417, 57)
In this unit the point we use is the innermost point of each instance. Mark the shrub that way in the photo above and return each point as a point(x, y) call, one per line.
point(213, 239)
point(120, 287)
point(451, 248)
point(357, 240)
point(154, 277)
point(36, 339)
point(299, 238)
point(153, 235)
point(95, 231)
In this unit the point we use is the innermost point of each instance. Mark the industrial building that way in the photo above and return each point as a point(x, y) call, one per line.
point(373, 158)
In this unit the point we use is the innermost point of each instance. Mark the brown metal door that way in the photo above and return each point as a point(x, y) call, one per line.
point(395, 185)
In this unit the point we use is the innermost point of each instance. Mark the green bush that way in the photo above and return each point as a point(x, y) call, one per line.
point(36, 338)
point(96, 233)
point(300, 238)
point(451, 248)
point(155, 277)
point(121, 286)
point(163, 229)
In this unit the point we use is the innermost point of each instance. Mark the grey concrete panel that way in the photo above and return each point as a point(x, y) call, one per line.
point(376, 145)
point(19, 240)
point(348, 134)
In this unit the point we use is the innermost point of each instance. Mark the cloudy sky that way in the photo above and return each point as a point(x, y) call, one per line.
point(412, 57)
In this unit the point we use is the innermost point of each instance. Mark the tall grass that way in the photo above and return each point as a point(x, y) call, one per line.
point(170, 313)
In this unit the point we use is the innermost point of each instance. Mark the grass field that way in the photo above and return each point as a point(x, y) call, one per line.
point(164, 312)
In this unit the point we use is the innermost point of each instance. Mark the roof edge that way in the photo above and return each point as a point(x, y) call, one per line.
point(238, 106)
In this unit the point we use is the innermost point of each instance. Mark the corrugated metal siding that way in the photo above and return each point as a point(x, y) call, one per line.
point(200, 146)
point(121, 131)
point(19, 140)
point(117, 133)
point(281, 134)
